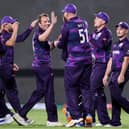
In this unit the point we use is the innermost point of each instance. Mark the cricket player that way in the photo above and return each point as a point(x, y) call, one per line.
point(9, 28)
point(4, 111)
point(43, 71)
point(100, 40)
point(74, 37)
point(118, 70)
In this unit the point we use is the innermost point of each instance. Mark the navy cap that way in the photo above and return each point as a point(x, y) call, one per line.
point(7, 19)
point(70, 8)
point(123, 24)
point(103, 16)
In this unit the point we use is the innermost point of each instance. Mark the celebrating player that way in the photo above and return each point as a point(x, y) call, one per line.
point(9, 28)
point(43, 71)
point(74, 39)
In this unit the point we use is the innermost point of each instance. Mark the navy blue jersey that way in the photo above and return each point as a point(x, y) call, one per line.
point(101, 42)
point(41, 49)
point(75, 40)
point(119, 51)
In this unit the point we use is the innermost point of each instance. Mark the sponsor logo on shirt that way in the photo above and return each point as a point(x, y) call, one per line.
point(97, 36)
point(116, 52)
point(121, 44)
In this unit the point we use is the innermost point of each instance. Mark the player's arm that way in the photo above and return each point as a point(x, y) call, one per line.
point(51, 44)
point(44, 36)
point(121, 77)
point(11, 41)
point(23, 36)
point(107, 73)
point(61, 42)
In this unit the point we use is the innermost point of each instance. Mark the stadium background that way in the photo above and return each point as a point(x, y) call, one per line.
point(27, 10)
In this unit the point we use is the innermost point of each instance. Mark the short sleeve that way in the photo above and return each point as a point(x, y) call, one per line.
point(126, 49)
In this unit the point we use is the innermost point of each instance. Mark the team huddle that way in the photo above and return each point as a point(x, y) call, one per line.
point(92, 61)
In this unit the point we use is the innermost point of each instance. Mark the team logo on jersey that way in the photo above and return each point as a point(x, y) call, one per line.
point(97, 36)
point(116, 52)
point(121, 44)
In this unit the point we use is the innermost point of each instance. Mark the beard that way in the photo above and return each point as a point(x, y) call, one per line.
point(64, 19)
point(10, 30)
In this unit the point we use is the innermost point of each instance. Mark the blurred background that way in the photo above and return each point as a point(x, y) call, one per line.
point(27, 10)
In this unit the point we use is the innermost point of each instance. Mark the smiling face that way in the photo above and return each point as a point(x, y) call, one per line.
point(121, 32)
point(7, 27)
point(44, 22)
point(98, 22)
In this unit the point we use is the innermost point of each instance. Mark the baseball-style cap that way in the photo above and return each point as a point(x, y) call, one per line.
point(123, 24)
point(70, 8)
point(7, 19)
point(103, 15)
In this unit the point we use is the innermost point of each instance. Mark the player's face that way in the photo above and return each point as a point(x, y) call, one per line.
point(8, 27)
point(121, 32)
point(98, 22)
point(44, 23)
point(65, 16)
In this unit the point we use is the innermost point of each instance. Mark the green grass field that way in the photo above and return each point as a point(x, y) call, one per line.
point(39, 117)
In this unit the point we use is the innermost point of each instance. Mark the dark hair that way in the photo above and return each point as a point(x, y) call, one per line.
point(42, 15)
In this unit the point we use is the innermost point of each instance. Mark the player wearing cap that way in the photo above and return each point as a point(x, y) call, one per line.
point(100, 40)
point(9, 28)
point(118, 69)
point(43, 71)
point(5, 116)
point(74, 37)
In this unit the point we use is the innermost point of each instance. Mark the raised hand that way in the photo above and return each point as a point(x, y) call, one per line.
point(53, 18)
point(15, 26)
point(33, 23)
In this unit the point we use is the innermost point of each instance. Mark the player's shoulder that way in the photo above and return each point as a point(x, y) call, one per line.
point(108, 32)
point(76, 20)
point(126, 42)
point(65, 25)
point(82, 22)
